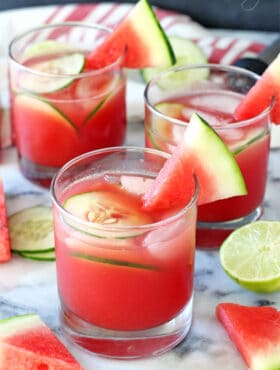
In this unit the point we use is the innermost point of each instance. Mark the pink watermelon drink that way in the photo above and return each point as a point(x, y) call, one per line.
point(214, 92)
point(60, 108)
point(125, 274)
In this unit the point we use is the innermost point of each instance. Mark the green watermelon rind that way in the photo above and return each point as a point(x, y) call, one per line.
point(169, 57)
point(226, 173)
point(145, 23)
point(17, 324)
point(252, 347)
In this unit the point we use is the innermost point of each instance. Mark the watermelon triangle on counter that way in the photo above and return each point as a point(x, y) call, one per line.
point(5, 245)
point(26, 343)
point(265, 91)
point(140, 37)
point(255, 331)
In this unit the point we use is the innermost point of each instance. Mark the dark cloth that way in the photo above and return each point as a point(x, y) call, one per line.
point(262, 15)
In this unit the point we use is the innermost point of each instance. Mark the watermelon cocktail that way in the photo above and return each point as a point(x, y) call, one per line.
point(60, 107)
point(125, 275)
point(214, 92)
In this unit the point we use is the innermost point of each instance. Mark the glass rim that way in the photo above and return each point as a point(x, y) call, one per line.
point(98, 71)
point(144, 227)
point(212, 66)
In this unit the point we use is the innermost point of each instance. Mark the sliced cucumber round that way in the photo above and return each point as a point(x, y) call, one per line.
point(104, 208)
point(161, 132)
point(39, 256)
point(45, 47)
point(52, 74)
point(31, 230)
point(186, 53)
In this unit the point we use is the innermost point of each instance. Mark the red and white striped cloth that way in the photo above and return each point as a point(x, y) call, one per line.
point(223, 50)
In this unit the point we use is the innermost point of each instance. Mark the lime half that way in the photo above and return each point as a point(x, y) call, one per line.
point(251, 256)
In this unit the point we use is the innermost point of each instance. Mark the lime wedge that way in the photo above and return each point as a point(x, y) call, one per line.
point(251, 256)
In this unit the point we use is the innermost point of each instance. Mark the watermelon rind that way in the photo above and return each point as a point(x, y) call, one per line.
point(263, 96)
point(255, 333)
point(201, 153)
point(149, 30)
point(214, 160)
point(18, 324)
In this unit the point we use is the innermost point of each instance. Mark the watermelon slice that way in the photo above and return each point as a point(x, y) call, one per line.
point(27, 343)
point(203, 153)
point(5, 246)
point(260, 95)
point(256, 333)
point(140, 37)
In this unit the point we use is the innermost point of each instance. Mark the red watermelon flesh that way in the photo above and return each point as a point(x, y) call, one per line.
point(26, 343)
point(260, 95)
point(138, 38)
point(201, 153)
point(5, 246)
point(255, 332)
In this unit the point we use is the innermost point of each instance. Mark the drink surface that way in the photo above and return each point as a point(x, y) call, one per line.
point(248, 142)
point(57, 116)
point(125, 275)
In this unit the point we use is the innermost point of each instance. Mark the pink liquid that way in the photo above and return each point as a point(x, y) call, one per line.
point(50, 128)
point(249, 143)
point(132, 283)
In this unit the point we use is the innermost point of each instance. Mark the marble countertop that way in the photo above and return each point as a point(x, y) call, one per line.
point(30, 286)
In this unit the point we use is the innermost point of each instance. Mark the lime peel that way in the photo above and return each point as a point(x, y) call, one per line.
point(251, 256)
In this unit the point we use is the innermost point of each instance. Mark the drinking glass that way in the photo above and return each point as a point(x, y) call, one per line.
point(125, 289)
point(61, 107)
point(214, 92)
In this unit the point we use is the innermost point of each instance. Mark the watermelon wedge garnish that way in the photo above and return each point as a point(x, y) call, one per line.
point(201, 153)
point(255, 331)
point(261, 94)
point(27, 343)
point(5, 246)
point(139, 37)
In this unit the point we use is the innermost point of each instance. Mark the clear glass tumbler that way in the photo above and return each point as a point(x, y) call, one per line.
point(62, 106)
point(125, 276)
point(213, 91)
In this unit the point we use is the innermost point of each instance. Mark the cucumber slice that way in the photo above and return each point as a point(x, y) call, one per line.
point(115, 262)
point(186, 53)
point(104, 208)
point(38, 256)
point(45, 47)
point(161, 132)
point(53, 71)
point(31, 230)
point(244, 146)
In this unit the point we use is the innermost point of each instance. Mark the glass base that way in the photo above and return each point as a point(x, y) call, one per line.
point(36, 173)
point(210, 235)
point(126, 344)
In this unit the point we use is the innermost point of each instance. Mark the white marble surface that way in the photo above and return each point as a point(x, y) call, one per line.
point(30, 286)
